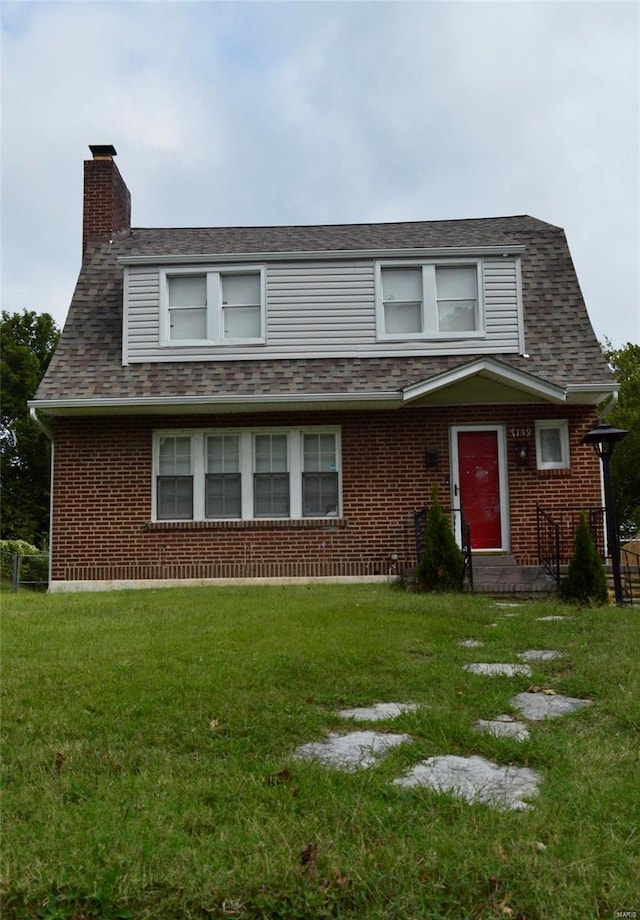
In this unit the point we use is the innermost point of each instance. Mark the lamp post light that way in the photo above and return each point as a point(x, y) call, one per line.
point(604, 439)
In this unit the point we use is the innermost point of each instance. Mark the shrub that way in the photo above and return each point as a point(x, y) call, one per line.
point(441, 566)
point(586, 579)
point(33, 570)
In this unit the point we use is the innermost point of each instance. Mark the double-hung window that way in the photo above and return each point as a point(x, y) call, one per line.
point(212, 306)
point(428, 300)
point(247, 474)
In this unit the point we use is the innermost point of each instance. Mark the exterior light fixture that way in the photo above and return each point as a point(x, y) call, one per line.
point(604, 439)
point(522, 454)
point(432, 457)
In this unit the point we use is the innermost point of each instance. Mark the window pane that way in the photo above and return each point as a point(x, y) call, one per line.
point(189, 291)
point(223, 496)
point(223, 454)
point(550, 445)
point(319, 453)
point(188, 324)
point(319, 494)
point(456, 283)
point(403, 317)
point(270, 453)
point(175, 457)
point(457, 316)
point(241, 322)
point(175, 498)
point(271, 495)
point(241, 289)
point(402, 284)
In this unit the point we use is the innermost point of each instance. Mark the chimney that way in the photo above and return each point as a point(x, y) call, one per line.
point(107, 201)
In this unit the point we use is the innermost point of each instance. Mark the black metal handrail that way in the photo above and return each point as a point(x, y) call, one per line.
point(630, 572)
point(548, 530)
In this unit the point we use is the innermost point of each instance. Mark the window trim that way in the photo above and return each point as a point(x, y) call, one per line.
point(295, 449)
point(213, 279)
point(562, 425)
point(429, 299)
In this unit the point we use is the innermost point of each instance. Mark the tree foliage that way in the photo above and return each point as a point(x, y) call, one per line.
point(625, 463)
point(441, 567)
point(586, 579)
point(27, 343)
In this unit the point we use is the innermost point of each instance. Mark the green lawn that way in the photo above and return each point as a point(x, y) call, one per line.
point(147, 771)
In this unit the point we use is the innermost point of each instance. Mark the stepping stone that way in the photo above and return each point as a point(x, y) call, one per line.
point(504, 604)
point(499, 670)
point(471, 643)
point(539, 706)
point(504, 727)
point(378, 711)
point(350, 752)
point(539, 654)
point(475, 780)
point(553, 619)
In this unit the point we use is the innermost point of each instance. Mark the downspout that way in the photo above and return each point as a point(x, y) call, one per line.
point(49, 433)
point(610, 404)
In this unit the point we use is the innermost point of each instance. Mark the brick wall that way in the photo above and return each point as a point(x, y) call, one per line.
point(106, 203)
point(103, 480)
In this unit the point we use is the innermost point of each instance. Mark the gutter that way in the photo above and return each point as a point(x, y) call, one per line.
point(610, 405)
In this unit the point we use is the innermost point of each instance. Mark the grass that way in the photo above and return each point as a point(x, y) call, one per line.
point(147, 770)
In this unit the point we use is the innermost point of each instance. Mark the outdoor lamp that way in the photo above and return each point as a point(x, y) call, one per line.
point(522, 454)
point(604, 439)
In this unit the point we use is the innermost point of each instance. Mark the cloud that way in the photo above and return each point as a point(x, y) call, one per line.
point(259, 113)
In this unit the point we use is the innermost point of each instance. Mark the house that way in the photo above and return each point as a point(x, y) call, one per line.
point(276, 402)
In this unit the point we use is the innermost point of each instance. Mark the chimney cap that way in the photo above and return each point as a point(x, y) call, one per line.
point(100, 151)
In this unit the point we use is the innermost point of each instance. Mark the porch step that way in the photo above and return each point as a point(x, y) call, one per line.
point(502, 575)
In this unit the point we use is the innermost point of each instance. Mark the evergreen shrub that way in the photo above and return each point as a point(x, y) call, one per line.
point(441, 566)
point(586, 579)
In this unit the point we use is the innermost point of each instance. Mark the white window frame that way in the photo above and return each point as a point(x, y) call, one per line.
point(295, 446)
point(562, 425)
point(429, 299)
point(215, 331)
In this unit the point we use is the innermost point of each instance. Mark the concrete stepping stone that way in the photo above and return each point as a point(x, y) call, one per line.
point(505, 604)
point(350, 752)
point(378, 711)
point(553, 619)
point(539, 706)
point(539, 654)
point(471, 643)
point(475, 779)
point(498, 670)
point(504, 727)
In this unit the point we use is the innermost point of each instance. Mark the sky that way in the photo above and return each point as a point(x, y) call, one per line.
point(261, 113)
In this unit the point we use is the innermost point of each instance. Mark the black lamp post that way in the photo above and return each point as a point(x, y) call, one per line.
point(604, 439)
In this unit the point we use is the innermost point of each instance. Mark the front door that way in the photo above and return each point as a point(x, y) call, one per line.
point(479, 484)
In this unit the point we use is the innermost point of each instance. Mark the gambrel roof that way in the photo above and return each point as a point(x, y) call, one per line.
point(562, 352)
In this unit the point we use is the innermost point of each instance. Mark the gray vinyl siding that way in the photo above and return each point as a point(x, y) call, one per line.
point(320, 309)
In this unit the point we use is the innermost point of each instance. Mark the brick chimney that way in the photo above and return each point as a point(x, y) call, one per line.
point(107, 201)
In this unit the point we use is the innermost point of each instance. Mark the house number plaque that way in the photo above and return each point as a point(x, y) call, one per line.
point(520, 432)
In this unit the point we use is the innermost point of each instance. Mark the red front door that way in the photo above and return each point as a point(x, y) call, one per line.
point(479, 479)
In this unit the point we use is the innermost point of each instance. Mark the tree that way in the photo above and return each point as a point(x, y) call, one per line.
point(586, 580)
point(441, 566)
point(625, 463)
point(27, 343)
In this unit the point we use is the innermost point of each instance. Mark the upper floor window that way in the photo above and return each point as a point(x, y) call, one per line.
point(246, 474)
point(428, 300)
point(214, 306)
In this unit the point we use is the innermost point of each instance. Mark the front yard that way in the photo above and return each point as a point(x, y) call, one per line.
point(148, 769)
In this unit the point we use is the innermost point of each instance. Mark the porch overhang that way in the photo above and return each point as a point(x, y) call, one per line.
point(488, 381)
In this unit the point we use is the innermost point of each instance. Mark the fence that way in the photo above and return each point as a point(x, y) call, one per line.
point(25, 570)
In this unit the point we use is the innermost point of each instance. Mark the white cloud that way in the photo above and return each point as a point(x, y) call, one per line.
point(246, 113)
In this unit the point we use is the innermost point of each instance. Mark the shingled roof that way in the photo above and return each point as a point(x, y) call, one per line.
point(561, 346)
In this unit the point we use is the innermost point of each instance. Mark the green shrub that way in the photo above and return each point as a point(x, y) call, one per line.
point(441, 566)
point(586, 579)
point(32, 570)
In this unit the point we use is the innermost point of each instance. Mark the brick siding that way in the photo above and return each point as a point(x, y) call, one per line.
point(102, 489)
